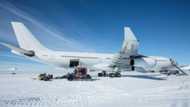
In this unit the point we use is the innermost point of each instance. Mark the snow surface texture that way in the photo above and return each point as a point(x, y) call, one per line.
point(131, 90)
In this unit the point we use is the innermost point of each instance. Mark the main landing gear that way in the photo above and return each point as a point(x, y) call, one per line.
point(112, 74)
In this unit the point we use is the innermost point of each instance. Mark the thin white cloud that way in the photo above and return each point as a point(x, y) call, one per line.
point(71, 43)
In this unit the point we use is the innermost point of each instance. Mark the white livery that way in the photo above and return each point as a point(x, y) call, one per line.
point(126, 60)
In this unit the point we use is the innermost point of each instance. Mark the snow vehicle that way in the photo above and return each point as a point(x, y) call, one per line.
point(45, 77)
point(80, 73)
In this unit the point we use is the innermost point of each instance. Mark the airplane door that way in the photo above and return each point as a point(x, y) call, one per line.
point(73, 63)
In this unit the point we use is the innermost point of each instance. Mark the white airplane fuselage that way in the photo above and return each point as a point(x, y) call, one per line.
point(99, 61)
point(30, 47)
point(63, 58)
point(72, 59)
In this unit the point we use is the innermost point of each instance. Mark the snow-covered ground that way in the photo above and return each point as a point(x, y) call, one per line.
point(131, 90)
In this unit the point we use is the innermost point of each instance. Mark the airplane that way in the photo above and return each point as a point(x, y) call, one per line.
point(128, 59)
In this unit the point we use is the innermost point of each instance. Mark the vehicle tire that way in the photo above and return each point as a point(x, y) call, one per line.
point(46, 79)
point(100, 74)
point(70, 77)
point(104, 73)
point(117, 74)
point(88, 76)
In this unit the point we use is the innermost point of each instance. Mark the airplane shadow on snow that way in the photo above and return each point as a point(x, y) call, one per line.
point(152, 77)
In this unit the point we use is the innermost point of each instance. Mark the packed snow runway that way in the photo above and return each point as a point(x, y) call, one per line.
point(131, 90)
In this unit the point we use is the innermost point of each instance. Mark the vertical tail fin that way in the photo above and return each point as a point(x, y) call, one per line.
point(25, 38)
point(130, 43)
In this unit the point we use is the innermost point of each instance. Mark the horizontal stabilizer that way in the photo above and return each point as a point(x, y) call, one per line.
point(19, 50)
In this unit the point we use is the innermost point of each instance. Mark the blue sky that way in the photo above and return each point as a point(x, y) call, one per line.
point(162, 26)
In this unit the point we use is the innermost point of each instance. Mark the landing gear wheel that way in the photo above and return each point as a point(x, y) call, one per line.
point(111, 75)
point(102, 74)
point(116, 74)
